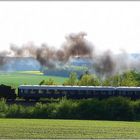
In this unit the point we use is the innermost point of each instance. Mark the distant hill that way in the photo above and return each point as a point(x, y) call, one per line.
point(18, 64)
point(81, 61)
point(78, 65)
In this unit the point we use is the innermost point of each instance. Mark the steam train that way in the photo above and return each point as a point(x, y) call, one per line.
point(37, 92)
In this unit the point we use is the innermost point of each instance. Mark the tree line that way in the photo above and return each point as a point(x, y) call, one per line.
point(128, 78)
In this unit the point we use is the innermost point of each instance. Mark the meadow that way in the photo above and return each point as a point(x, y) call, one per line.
point(83, 129)
point(56, 128)
point(26, 77)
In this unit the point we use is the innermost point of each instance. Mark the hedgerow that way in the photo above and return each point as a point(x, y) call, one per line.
point(114, 108)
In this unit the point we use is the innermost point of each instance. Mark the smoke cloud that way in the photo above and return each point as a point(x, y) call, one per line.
point(105, 63)
point(76, 45)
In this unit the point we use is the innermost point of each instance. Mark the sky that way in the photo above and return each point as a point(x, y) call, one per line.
point(109, 25)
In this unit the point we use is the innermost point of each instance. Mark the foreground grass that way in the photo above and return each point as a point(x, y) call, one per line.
point(30, 78)
point(37, 128)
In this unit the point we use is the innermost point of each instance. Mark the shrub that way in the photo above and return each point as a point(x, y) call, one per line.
point(114, 108)
point(119, 108)
point(136, 108)
point(91, 109)
point(40, 111)
point(3, 108)
point(66, 109)
point(16, 111)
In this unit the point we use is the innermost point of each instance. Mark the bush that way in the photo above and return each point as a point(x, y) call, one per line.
point(16, 111)
point(119, 108)
point(116, 108)
point(40, 111)
point(136, 108)
point(91, 109)
point(3, 108)
point(66, 109)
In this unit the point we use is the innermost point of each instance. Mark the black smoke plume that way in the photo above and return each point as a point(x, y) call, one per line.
point(76, 45)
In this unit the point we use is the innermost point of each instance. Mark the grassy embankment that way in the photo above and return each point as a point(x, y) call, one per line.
point(26, 77)
point(37, 128)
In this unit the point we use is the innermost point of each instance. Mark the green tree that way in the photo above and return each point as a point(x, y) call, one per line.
point(72, 79)
point(89, 80)
point(129, 78)
point(42, 82)
point(112, 81)
point(47, 82)
point(136, 75)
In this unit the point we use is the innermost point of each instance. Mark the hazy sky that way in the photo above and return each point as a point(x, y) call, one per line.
point(114, 25)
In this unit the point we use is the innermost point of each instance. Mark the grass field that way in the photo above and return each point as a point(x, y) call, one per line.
point(35, 128)
point(26, 77)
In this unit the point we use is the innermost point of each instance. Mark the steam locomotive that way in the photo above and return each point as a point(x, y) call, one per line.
point(36, 92)
point(7, 92)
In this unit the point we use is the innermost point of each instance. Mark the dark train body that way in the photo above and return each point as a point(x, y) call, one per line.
point(36, 92)
point(76, 92)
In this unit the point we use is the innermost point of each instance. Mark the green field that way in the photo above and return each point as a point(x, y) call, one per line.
point(37, 129)
point(26, 77)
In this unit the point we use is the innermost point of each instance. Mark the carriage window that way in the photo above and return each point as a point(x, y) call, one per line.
point(110, 92)
point(132, 92)
point(123, 93)
point(21, 91)
point(51, 91)
point(90, 91)
point(64, 91)
point(137, 92)
point(25, 91)
point(58, 91)
point(31, 91)
point(44, 91)
point(104, 92)
point(97, 92)
point(41, 91)
point(83, 91)
point(34, 91)
point(75, 91)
